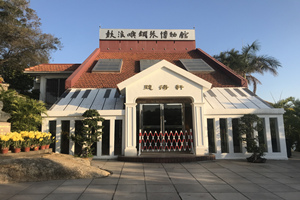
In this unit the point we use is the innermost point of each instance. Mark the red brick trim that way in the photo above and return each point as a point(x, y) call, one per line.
point(70, 82)
point(241, 80)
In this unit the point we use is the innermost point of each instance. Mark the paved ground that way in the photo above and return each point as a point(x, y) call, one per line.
point(220, 179)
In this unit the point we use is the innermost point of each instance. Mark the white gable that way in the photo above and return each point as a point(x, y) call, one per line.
point(164, 80)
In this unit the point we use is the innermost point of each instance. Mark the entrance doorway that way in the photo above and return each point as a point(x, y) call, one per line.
point(162, 117)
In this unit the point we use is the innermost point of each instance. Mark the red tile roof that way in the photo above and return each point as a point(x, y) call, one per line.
point(222, 77)
point(83, 78)
point(53, 68)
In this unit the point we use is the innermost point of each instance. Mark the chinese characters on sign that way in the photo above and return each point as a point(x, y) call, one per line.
point(177, 87)
point(148, 87)
point(163, 87)
point(147, 34)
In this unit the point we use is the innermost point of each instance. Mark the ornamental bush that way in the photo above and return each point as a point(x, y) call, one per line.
point(89, 134)
point(250, 123)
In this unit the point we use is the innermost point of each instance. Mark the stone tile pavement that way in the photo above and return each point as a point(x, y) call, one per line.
point(220, 179)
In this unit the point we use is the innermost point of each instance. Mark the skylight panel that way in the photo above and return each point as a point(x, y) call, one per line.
point(144, 64)
point(196, 65)
point(108, 65)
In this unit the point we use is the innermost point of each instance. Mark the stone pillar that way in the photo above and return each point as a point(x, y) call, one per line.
point(43, 88)
point(218, 136)
point(130, 129)
point(71, 142)
point(199, 133)
point(230, 136)
point(268, 134)
point(281, 136)
point(58, 136)
point(112, 137)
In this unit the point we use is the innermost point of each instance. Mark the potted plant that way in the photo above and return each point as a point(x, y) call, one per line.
point(48, 139)
point(16, 141)
point(36, 140)
point(5, 143)
point(249, 124)
point(27, 141)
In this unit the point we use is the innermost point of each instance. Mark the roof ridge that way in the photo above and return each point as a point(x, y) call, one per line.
point(244, 82)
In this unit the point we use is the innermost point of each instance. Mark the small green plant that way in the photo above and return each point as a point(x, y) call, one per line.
point(89, 133)
point(25, 112)
point(248, 125)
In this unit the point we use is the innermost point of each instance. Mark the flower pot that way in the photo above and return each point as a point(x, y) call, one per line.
point(4, 150)
point(17, 150)
point(43, 147)
point(36, 148)
point(47, 146)
point(26, 149)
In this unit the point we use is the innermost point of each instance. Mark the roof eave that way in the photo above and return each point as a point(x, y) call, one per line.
point(35, 73)
point(242, 81)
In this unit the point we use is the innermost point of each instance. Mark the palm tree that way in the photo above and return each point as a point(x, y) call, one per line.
point(247, 62)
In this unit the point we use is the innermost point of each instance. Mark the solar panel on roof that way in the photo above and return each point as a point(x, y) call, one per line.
point(75, 94)
point(65, 94)
point(211, 93)
point(108, 65)
point(86, 94)
point(249, 92)
point(107, 93)
point(230, 92)
point(144, 64)
point(240, 92)
point(196, 65)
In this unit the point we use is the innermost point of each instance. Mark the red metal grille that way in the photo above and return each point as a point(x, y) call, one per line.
point(182, 141)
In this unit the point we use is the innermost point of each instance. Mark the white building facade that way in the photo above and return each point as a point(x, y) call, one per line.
point(163, 85)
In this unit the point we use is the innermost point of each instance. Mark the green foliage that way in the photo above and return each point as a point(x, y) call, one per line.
point(89, 133)
point(22, 43)
point(291, 119)
point(248, 125)
point(247, 62)
point(25, 112)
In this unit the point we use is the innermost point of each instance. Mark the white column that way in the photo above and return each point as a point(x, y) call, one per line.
point(58, 136)
point(218, 135)
point(130, 129)
point(71, 142)
point(43, 88)
point(45, 125)
point(99, 144)
point(199, 133)
point(268, 134)
point(230, 135)
point(112, 137)
point(281, 135)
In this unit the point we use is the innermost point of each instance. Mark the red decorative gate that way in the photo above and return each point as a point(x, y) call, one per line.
point(166, 141)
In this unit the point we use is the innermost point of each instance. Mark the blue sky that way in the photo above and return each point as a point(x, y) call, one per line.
point(220, 25)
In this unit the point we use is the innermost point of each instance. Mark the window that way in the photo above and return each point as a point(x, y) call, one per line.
point(262, 134)
point(65, 131)
point(52, 130)
point(211, 135)
point(237, 142)
point(118, 137)
point(105, 137)
point(78, 129)
point(224, 136)
point(274, 135)
point(54, 89)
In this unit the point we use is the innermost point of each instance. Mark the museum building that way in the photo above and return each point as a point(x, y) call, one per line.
point(157, 93)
